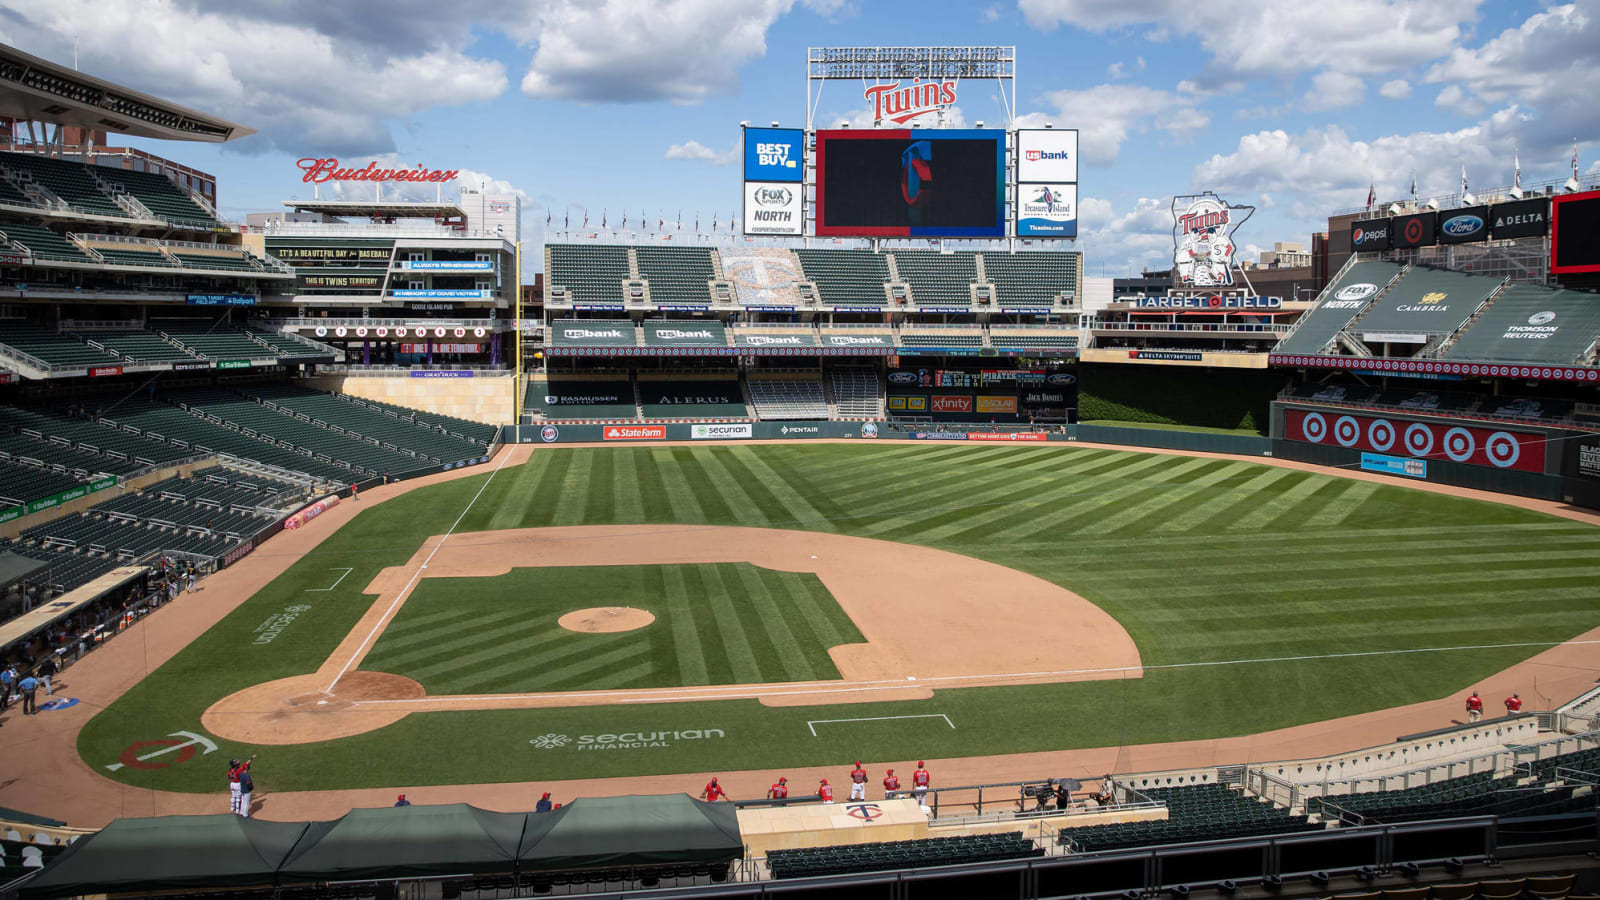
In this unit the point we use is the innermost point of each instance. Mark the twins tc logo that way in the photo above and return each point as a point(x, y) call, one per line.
point(916, 174)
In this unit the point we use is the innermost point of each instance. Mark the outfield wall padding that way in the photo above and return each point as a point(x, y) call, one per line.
point(1192, 441)
point(710, 433)
point(1440, 471)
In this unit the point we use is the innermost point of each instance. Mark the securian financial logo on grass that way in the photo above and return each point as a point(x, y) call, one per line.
point(627, 740)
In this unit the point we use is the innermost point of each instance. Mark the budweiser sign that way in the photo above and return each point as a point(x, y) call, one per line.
point(893, 103)
point(323, 170)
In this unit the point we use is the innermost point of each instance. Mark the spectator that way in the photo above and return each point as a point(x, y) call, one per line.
point(544, 803)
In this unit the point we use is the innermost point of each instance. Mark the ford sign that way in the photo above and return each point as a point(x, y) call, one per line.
point(1060, 378)
point(902, 378)
point(1461, 226)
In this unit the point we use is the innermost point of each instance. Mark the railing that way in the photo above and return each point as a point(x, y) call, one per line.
point(1470, 413)
point(1243, 327)
point(1497, 761)
point(398, 229)
point(392, 370)
point(1015, 799)
point(1530, 191)
point(1525, 755)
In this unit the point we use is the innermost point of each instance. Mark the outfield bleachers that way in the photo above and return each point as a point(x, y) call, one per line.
point(365, 422)
point(938, 279)
point(1340, 303)
point(677, 274)
point(844, 859)
point(857, 391)
point(590, 274)
point(788, 396)
point(1200, 812)
point(160, 196)
point(66, 179)
point(49, 346)
point(1030, 279)
point(476, 432)
point(678, 396)
point(1042, 338)
point(1428, 301)
point(1532, 324)
point(941, 337)
point(846, 277)
point(42, 242)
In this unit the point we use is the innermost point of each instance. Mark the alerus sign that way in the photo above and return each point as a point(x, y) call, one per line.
point(326, 169)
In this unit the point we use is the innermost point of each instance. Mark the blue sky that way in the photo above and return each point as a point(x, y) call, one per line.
point(1292, 107)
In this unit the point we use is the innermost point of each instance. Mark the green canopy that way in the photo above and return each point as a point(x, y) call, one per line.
point(407, 841)
point(630, 831)
point(169, 852)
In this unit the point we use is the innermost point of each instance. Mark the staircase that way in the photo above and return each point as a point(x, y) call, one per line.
point(1349, 330)
point(638, 398)
point(120, 196)
point(1454, 336)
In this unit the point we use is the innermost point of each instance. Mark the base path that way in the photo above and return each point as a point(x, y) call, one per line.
point(917, 607)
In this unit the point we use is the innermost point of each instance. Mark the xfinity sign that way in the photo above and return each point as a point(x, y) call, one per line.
point(774, 154)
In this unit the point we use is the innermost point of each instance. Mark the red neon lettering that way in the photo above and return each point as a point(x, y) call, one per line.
point(321, 170)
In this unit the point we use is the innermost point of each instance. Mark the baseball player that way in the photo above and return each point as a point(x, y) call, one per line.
point(825, 791)
point(919, 782)
point(779, 791)
point(1474, 707)
point(240, 784)
point(713, 791)
point(890, 784)
point(858, 782)
point(1513, 705)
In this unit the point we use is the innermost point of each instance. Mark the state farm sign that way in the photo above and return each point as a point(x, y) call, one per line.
point(635, 432)
point(893, 103)
point(326, 169)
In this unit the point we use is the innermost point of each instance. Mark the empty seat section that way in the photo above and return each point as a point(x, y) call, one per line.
point(95, 437)
point(222, 260)
point(288, 348)
point(43, 242)
point(1041, 337)
point(202, 436)
point(138, 346)
point(66, 179)
point(590, 396)
point(1339, 303)
point(160, 195)
point(213, 340)
point(277, 425)
point(590, 274)
point(942, 851)
point(788, 396)
point(69, 460)
point(1532, 324)
point(938, 279)
point(477, 432)
point(366, 422)
point(677, 274)
point(21, 483)
point(710, 396)
point(49, 346)
point(856, 391)
point(846, 277)
point(1199, 812)
point(1031, 279)
point(1469, 795)
point(941, 337)
point(68, 569)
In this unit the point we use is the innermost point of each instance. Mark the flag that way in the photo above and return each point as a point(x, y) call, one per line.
point(680, 220)
point(624, 218)
point(1572, 183)
point(1464, 189)
point(566, 218)
point(1372, 194)
point(713, 221)
point(697, 221)
point(660, 221)
point(547, 218)
point(1413, 187)
point(602, 217)
point(1516, 177)
point(586, 217)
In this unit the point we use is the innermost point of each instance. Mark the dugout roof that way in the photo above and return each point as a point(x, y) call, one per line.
point(406, 841)
point(34, 89)
point(631, 831)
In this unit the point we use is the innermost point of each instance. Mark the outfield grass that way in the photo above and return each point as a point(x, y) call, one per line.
point(499, 634)
point(1204, 561)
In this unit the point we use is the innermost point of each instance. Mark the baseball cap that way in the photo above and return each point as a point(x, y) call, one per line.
point(783, 781)
point(920, 763)
point(824, 781)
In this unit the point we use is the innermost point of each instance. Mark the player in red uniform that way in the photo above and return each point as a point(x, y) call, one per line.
point(825, 791)
point(858, 782)
point(779, 791)
point(890, 784)
point(919, 782)
point(713, 791)
point(1513, 705)
point(1474, 707)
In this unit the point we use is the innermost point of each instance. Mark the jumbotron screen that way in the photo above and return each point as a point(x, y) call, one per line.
point(1575, 233)
point(904, 183)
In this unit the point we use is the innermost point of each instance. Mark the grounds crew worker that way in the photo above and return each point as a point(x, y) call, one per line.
point(858, 782)
point(779, 791)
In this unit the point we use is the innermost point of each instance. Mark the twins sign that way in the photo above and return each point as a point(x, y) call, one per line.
point(1203, 226)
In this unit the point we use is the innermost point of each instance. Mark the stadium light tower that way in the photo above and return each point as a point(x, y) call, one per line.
point(923, 79)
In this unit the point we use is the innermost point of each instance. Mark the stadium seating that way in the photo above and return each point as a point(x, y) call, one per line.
point(1428, 301)
point(43, 242)
point(274, 425)
point(1030, 338)
point(228, 488)
point(677, 274)
point(360, 421)
point(128, 253)
point(119, 537)
point(1332, 313)
point(11, 195)
point(137, 346)
point(288, 348)
point(1532, 324)
point(942, 851)
point(938, 279)
point(787, 396)
point(160, 196)
point(856, 391)
point(215, 260)
point(83, 464)
point(1199, 812)
point(590, 274)
point(48, 346)
point(846, 277)
point(1030, 279)
point(68, 568)
point(1469, 795)
point(95, 437)
point(202, 436)
point(762, 275)
point(212, 340)
point(476, 432)
point(678, 396)
point(20, 483)
point(66, 179)
point(941, 337)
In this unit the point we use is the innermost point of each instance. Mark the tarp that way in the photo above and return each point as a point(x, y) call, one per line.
point(407, 841)
point(169, 852)
point(14, 567)
point(631, 831)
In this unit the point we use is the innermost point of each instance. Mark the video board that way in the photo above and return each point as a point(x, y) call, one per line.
point(1575, 233)
point(911, 183)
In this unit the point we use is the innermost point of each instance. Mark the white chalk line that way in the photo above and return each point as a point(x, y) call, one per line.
point(383, 622)
point(729, 692)
point(812, 724)
point(335, 584)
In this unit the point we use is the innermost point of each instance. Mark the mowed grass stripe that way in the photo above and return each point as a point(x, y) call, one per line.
point(627, 502)
point(1294, 491)
point(673, 478)
point(1295, 517)
point(424, 630)
point(646, 484)
point(685, 633)
point(700, 483)
point(1488, 602)
point(1047, 490)
point(511, 494)
point(1238, 590)
point(744, 488)
point(788, 494)
point(1377, 536)
point(1350, 498)
point(725, 619)
point(573, 496)
point(1174, 485)
point(600, 501)
point(1086, 497)
point(770, 618)
point(1221, 507)
point(1205, 562)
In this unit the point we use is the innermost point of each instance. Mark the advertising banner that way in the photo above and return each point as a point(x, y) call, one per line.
point(1583, 458)
point(905, 183)
point(221, 299)
point(1369, 234)
point(441, 373)
point(101, 371)
point(1030, 437)
point(1204, 227)
point(1462, 226)
point(1575, 233)
point(772, 207)
point(943, 403)
point(682, 334)
point(1418, 230)
point(194, 366)
point(442, 348)
point(774, 154)
point(751, 339)
point(1208, 301)
point(357, 282)
point(447, 265)
point(857, 340)
point(1502, 449)
point(722, 432)
point(1047, 210)
point(634, 432)
point(1046, 154)
point(1522, 218)
point(310, 256)
point(992, 405)
point(460, 294)
point(1394, 465)
point(1167, 355)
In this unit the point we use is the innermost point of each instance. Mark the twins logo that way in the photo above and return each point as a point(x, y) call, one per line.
point(1202, 237)
point(916, 175)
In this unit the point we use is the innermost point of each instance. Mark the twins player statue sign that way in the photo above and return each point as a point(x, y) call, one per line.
point(1203, 226)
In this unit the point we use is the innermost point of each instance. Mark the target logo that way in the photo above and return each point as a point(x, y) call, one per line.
point(1346, 431)
point(1314, 427)
point(1502, 449)
point(1459, 444)
point(1380, 434)
point(1419, 439)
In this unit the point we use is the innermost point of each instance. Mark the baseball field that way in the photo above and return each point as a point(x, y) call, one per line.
point(593, 612)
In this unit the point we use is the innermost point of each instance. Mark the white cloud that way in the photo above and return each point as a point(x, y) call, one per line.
point(1395, 89)
point(990, 13)
point(1118, 112)
point(305, 90)
point(1139, 238)
point(1333, 89)
point(698, 151)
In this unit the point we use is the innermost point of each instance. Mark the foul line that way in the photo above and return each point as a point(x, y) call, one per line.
point(735, 692)
point(384, 619)
point(331, 586)
point(811, 724)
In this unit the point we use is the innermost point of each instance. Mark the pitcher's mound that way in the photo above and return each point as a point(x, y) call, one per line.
point(606, 619)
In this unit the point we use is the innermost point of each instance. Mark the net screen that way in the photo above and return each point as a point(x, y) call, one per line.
point(904, 183)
